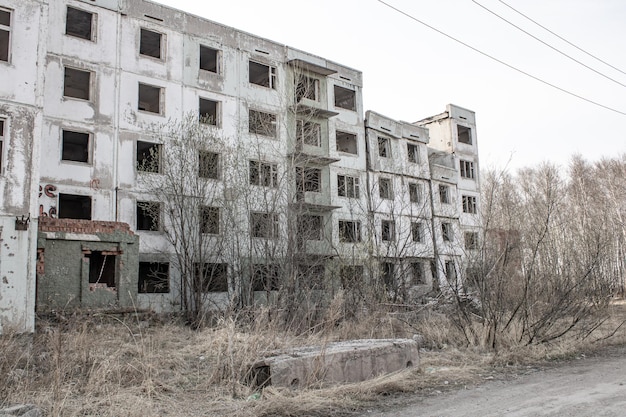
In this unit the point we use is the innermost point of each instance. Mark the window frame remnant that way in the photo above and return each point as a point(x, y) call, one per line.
point(464, 134)
point(146, 96)
point(344, 98)
point(265, 277)
point(348, 186)
point(209, 165)
point(263, 174)
point(75, 146)
point(209, 59)
point(307, 87)
point(447, 232)
point(311, 227)
point(102, 269)
point(210, 220)
point(415, 192)
point(261, 74)
point(77, 84)
point(349, 231)
point(308, 133)
point(466, 169)
point(148, 216)
point(153, 278)
point(74, 206)
point(148, 157)
point(471, 240)
point(147, 40)
point(210, 277)
point(384, 147)
point(264, 225)
point(385, 188)
point(308, 180)
point(79, 23)
point(209, 111)
point(262, 123)
point(444, 194)
point(413, 153)
point(346, 142)
point(5, 34)
point(387, 230)
point(417, 231)
point(469, 204)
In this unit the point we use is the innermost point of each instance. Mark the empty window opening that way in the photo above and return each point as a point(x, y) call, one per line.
point(310, 227)
point(264, 225)
point(208, 165)
point(413, 154)
point(418, 273)
point(385, 188)
point(346, 142)
point(308, 180)
point(417, 232)
point(148, 216)
point(265, 277)
point(349, 231)
point(210, 220)
point(347, 186)
point(150, 43)
point(345, 98)
point(387, 230)
point(262, 123)
point(154, 278)
point(78, 23)
point(384, 147)
point(101, 269)
point(149, 98)
point(209, 59)
point(444, 194)
point(351, 276)
point(311, 276)
point(73, 206)
point(75, 146)
point(446, 232)
point(464, 134)
point(211, 277)
point(308, 133)
point(263, 174)
point(148, 157)
point(467, 169)
point(77, 83)
point(471, 240)
point(387, 271)
point(415, 192)
point(208, 111)
point(263, 75)
point(469, 204)
point(307, 87)
point(450, 271)
point(1, 144)
point(5, 34)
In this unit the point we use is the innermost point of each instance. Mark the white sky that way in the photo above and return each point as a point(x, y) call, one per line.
point(411, 72)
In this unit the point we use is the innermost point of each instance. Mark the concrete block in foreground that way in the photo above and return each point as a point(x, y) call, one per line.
point(335, 363)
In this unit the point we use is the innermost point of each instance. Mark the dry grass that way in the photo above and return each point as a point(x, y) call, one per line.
point(109, 365)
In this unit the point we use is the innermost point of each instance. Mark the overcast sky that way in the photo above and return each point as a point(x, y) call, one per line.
point(411, 72)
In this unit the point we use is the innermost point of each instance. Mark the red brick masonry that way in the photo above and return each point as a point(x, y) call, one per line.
point(47, 224)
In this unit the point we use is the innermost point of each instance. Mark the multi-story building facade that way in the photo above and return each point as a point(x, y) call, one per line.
point(141, 146)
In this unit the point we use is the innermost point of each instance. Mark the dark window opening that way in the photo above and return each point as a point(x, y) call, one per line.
point(387, 272)
point(264, 225)
point(311, 276)
point(450, 271)
point(150, 43)
point(385, 188)
point(263, 174)
point(210, 220)
point(444, 194)
point(308, 133)
point(344, 98)
point(208, 165)
point(347, 186)
point(149, 98)
point(154, 278)
point(208, 111)
point(308, 180)
point(412, 153)
point(387, 230)
point(148, 216)
point(263, 75)
point(351, 276)
point(1, 144)
point(5, 34)
point(346, 142)
point(349, 231)
point(77, 83)
point(262, 123)
point(78, 23)
point(73, 206)
point(464, 134)
point(419, 275)
point(310, 227)
point(446, 232)
point(469, 204)
point(101, 268)
point(265, 277)
point(471, 240)
point(211, 277)
point(148, 157)
point(209, 59)
point(307, 87)
point(75, 146)
point(415, 192)
point(384, 147)
point(417, 231)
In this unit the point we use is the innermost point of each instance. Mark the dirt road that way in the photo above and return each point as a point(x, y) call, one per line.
point(584, 387)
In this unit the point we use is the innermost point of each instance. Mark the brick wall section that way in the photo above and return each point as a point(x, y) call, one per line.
point(47, 224)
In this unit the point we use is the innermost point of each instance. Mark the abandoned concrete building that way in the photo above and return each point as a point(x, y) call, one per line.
point(104, 182)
